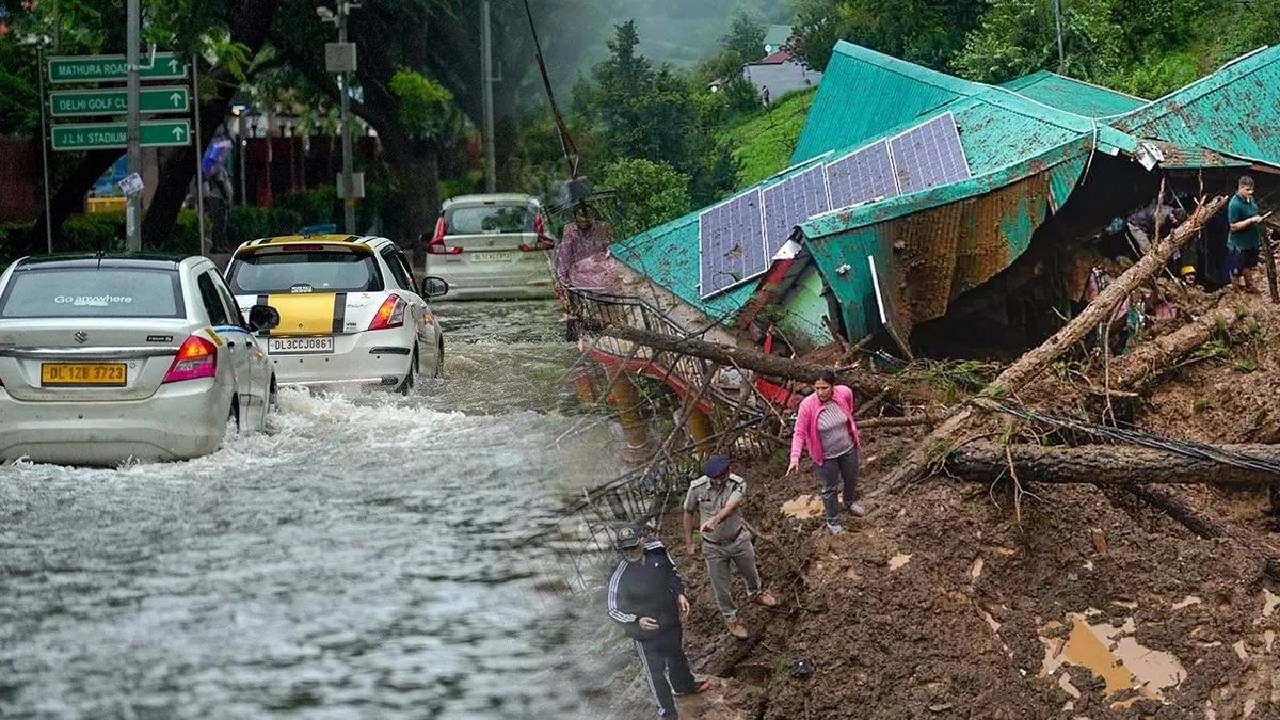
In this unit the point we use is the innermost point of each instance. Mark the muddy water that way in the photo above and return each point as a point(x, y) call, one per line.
point(361, 560)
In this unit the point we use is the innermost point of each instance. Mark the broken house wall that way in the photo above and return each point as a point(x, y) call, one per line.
point(803, 308)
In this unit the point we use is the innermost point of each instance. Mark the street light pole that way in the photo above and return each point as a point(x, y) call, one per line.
point(348, 200)
point(486, 72)
point(133, 214)
point(1057, 16)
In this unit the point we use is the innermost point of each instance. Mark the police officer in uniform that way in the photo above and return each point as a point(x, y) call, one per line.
point(726, 542)
point(646, 599)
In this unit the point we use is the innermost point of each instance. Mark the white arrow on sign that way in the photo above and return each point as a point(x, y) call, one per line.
point(179, 134)
point(173, 65)
point(176, 99)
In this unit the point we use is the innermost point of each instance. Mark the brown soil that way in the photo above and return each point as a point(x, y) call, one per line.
point(943, 604)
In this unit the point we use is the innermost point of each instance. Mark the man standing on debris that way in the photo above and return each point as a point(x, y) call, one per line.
point(825, 426)
point(646, 599)
point(726, 542)
point(1243, 242)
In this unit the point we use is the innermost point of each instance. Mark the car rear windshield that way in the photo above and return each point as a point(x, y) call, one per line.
point(489, 219)
point(92, 293)
point(311, 271)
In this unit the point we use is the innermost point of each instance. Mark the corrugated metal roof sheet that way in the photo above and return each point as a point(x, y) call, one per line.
point(864, 94)
point(1074, 96)
point(1235, 111)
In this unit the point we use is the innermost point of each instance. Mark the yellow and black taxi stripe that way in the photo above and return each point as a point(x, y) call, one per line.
point(308, 313)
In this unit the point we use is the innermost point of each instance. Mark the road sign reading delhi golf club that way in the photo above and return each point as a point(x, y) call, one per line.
point(155, 133)
point(100, 68)
point(73, 103)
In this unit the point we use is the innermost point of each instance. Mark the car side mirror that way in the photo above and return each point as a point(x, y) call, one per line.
point(263, 317)
point(434, 287)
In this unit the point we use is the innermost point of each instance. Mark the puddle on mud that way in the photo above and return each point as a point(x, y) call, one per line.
point(1114, 655)
point(803, 507)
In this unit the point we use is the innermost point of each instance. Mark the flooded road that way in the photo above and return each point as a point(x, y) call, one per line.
point(361, 560)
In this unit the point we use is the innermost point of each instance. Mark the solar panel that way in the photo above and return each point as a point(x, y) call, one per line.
point(792, 202)
point(862, 176)
point(731, 236)
point(929, 155)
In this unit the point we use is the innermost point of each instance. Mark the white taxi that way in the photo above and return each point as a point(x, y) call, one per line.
point(350, 310)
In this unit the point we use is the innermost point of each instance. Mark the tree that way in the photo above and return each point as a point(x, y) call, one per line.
point(927, 32)
point(745, 37)
point(1017, 37)
point(652, 193)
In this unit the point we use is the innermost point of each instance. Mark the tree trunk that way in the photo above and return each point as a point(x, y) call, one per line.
point(1107, 465)
point(771, 365)
point(416, 166)
point(67, 200)
point(250, 23)
point(1034, 362)
point(1152, 359)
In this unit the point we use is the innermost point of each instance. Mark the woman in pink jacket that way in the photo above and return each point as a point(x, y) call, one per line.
point(825, 426)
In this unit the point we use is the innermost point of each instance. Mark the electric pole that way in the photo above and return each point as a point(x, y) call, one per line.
point(133, 210)
point(1057, 17)
point(486, 72)
point(348, 199)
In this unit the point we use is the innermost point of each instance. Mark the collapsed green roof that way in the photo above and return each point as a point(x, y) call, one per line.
point(1027, 146)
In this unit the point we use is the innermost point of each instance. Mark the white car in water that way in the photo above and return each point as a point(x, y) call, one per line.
point(493, 247)
point(105, 358)
point(350, 310)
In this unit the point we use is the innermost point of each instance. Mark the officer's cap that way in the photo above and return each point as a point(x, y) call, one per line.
point(715, 466)
point(628, 536)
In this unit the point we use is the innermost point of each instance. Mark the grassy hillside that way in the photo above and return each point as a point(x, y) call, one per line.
point(763, 142)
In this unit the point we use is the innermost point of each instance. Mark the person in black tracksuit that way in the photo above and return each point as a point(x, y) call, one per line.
point(646, 599)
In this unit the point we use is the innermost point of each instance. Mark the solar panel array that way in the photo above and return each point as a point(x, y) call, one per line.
point(732, 239)
point(862, 176)
point(739, 237)
point(929, 155)
point(792, 202)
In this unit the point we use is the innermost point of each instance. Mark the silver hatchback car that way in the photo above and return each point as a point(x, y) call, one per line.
point(105, 359)
point(492, 247)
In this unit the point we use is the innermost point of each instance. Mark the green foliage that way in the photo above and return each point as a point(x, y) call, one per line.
point(740, 95)
point(426, 108)
point(927, 32)
point(763, 142)
point(1017, 37)
point(652, 193)
point(250, 223)
point(745, 37)
point(314, 207)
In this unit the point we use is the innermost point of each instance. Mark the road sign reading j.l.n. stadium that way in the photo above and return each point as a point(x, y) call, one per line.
point(154, 133)
point(100, 68)
point(74, 103)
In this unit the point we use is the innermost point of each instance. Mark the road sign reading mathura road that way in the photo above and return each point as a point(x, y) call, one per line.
point(100, 68)
point(155, 133)
point(73, 103)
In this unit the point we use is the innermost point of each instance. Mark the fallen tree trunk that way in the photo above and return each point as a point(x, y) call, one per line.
point(1016, 376)
point(1154, 358)
point(1107, 465)
point(865, 383)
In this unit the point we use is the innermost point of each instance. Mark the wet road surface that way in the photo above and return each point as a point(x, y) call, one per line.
point(361, 560)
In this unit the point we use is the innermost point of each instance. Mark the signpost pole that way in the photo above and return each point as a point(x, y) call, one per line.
point(133, 220)
point(44, 152)
point(195, 116)
point(348, 200)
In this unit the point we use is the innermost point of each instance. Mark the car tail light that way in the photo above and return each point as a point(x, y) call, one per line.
point(197, 358)
point(437, 246)
point(544, 242)
point(389, 315)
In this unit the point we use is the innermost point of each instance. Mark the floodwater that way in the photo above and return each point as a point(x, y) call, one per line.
point(362, 560)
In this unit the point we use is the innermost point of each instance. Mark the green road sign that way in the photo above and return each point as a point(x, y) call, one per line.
point(155, 133)
point(71, 103)
point(100, 68)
